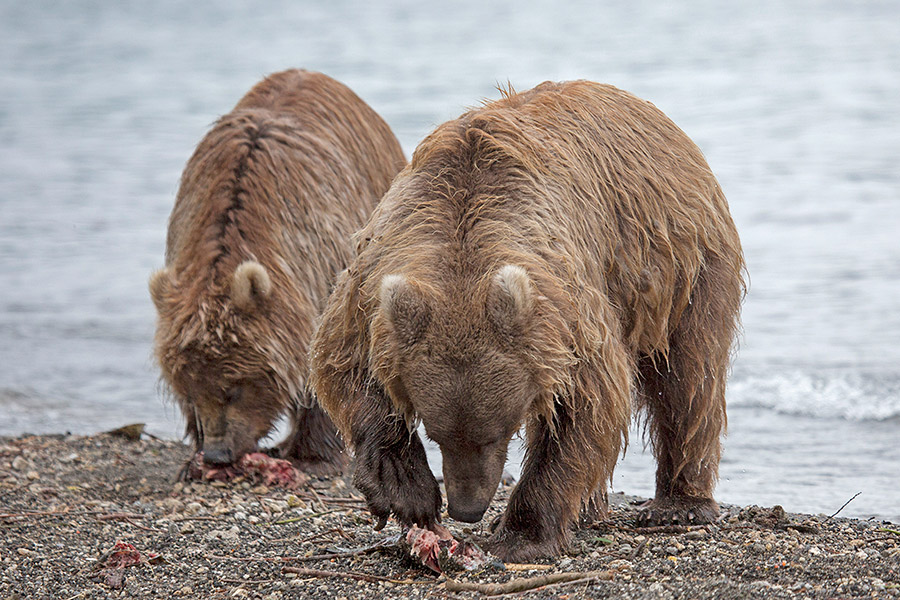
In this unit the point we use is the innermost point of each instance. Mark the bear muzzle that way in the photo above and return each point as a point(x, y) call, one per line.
point(217, 452)
point(467, 513)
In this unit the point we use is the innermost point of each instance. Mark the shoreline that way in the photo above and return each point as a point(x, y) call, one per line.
point(66, 500)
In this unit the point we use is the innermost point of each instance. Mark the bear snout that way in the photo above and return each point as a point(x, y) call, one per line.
point(217, 453)
point(466, 514)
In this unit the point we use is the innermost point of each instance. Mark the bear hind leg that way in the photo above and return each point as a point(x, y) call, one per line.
point(684, 396)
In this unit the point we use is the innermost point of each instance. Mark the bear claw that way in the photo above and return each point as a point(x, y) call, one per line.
point(678, 511)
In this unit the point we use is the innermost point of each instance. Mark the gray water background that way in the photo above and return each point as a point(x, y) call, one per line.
point(796, 105)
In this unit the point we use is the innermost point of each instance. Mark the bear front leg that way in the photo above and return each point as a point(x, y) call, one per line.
point(563, 473)
point(392, 472)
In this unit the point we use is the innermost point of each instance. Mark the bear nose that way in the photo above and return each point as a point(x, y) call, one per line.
point(467, 514)
point(217, 454)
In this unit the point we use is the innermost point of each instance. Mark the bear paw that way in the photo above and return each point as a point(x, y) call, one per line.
point(393, 484)
point(678, 511)
point(517, 547)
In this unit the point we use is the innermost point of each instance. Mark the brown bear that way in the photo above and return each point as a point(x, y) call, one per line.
point(547, 259)
point(261, 226)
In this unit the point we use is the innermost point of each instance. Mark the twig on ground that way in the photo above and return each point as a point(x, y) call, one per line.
point(347, 575)
point(264, 505)
point(310, 516)
point(548, 587)
point(356, 552)
point(640, 547)
point(663, 528)
point(527, 567)
point(843, 506)
point(249, 581)
point(121, 516)
point(309, 538)
point(383, 543)
point(528, 584)
point(317, 499)
point(331, 500)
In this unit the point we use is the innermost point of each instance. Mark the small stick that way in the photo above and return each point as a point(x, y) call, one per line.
point(330, 500)
point(311, 516)
point(521, 585)
point(251, 581)
point(336, 530)
point(121, 515)
point(319, 500)
point(844, 505)
point(527, 567)
point(637, 550)
point(662, 529)
point(346, 575)
point(547, 587)
point(144, 527)
point(264, 505)
point(180, 519)
point(384, 543)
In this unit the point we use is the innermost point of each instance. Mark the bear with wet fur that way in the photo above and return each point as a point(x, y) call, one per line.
point(261, 226)
point(549, 260)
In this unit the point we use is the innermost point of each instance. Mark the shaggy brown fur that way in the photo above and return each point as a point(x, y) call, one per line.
point(543, 260)
point(261, 226)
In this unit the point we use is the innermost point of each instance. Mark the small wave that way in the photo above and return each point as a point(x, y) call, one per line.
point(850, 396)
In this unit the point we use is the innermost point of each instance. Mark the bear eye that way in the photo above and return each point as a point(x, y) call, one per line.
point(232, 394)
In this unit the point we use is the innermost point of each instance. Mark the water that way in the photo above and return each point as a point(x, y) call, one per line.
point(794, 104)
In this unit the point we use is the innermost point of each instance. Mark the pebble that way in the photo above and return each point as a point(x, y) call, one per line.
point(193, 508)
point(25, 552)
point(201, 570)
point(69, 458)
point(32, 475)
point(228, 535)
point(621, 564)
point(20, 464)
point(758, 548)
point(276, 506)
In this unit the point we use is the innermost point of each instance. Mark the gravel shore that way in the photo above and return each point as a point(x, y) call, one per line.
point(105, 517)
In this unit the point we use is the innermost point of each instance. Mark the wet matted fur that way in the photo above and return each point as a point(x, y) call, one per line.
point(545, 259)
point(261, 226)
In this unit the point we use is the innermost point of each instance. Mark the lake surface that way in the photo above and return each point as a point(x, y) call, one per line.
point(795, 105)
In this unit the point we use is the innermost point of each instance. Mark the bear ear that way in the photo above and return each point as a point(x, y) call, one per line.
point(404, 307)
point(160, 286)
point(250, 285)
point(511, 299)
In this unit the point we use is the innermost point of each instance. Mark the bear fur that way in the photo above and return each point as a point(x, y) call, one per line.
point(261, 226)
point(548, 259)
